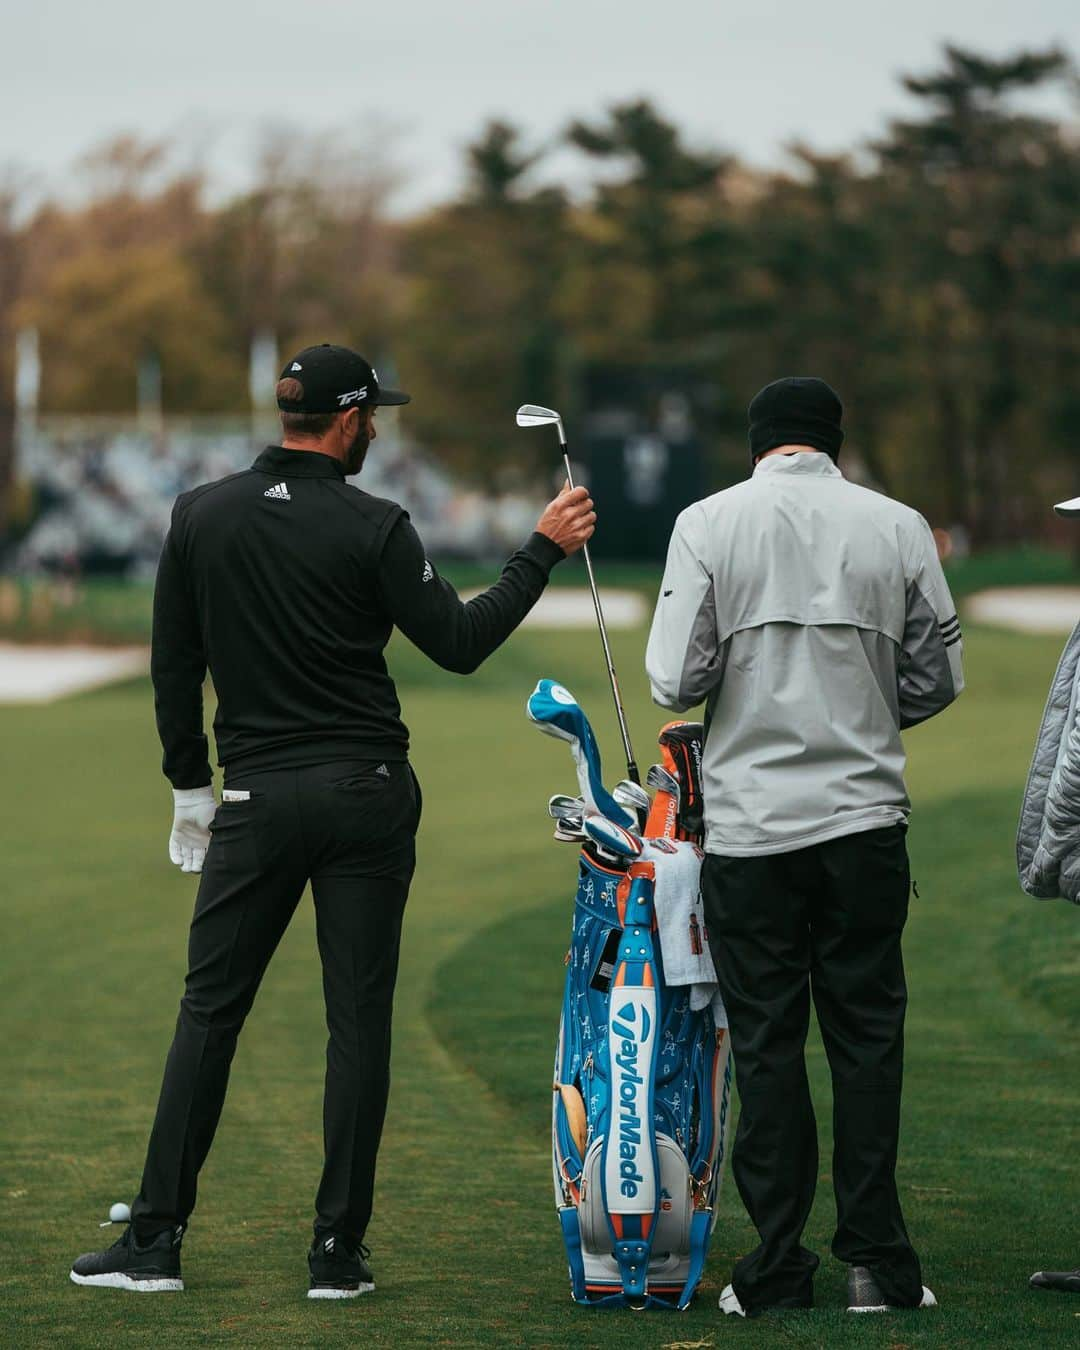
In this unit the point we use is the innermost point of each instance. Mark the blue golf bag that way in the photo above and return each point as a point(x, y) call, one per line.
point(642, 1081)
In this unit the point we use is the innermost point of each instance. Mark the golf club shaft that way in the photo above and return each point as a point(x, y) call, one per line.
point(631, 766)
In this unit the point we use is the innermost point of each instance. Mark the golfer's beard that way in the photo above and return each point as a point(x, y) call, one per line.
point(357, 453)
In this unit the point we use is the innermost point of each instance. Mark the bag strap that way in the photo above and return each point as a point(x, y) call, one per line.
point(700, 1231)
point(571, 1231)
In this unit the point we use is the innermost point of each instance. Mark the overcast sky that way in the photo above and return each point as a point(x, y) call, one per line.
point(748, 77)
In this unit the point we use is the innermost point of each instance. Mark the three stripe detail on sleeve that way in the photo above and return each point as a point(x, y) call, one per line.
point(950, 631)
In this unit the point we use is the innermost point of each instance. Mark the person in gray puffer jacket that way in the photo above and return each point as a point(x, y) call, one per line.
point(1048, 838)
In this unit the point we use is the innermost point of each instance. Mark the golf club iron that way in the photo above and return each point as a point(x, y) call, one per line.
point(612, 838)
point(532, 415)
point(660, 780)
point(570, 830)
point(634, 798)
point(561, 806)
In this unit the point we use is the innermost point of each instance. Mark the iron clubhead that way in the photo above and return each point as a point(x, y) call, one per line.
point(632, 797)
point(613, 837)
point(561, 806)
point(532, 415)
point(660, 780)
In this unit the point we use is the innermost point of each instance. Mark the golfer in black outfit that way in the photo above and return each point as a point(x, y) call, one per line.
point(286, 582)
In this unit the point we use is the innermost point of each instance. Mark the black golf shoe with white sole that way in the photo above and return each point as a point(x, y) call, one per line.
point(865, 1296)
point(339, 1270)
point(731, 1305)
point(150, 1269)
point(1064, 1281)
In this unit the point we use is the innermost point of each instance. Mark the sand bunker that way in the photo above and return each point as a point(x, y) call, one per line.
point(41, 674)
point(566, 607)
point(1029, 609)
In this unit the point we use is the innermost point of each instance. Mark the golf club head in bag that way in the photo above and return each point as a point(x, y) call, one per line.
point(560, 806)
point(641, 1081)
point(557, 713)
point(681, 745)
point(633, 798)
point(568, 813)
point(662, 822)
point(613, 838)
point(661, 780)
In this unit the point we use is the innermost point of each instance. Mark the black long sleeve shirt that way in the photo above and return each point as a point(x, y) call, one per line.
point(286, 582)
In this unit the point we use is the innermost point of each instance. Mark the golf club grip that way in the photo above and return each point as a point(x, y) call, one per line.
point(624, 731)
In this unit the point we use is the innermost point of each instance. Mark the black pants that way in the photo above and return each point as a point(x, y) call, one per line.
point(825, 920)
point(350, 829)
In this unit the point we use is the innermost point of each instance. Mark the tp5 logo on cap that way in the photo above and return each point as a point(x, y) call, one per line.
point(334, 378)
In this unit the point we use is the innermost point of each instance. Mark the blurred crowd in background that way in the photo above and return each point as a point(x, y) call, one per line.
point(932, 275)
point(103, 492)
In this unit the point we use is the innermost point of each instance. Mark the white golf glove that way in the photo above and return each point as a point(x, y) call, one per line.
point(193, 811)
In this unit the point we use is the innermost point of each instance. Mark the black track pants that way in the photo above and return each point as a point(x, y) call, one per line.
point(349, 829)
point(825, 921)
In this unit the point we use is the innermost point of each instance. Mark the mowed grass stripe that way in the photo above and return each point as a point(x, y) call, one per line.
point(466, 1246)
point(986, 1144)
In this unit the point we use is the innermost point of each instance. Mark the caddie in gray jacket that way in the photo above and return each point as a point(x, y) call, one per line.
point(1048, 839)
point(813, 618)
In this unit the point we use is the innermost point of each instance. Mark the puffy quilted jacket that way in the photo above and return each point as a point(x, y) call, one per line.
point(1048, 839)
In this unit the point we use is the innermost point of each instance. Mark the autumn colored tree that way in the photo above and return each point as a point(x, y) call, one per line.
point(931, 277)
point(483, 331)
point(111, 279)
point(308, 254)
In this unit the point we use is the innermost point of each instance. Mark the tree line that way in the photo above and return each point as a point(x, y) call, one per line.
point(932, 275)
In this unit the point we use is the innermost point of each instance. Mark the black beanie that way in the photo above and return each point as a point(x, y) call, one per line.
point(797, 410)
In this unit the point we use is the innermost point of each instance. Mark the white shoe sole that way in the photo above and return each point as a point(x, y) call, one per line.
point(341, 1293)
point(928, 1301)
point(118, 1280)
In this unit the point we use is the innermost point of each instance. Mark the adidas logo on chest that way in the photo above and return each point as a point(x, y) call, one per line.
point(279, 492)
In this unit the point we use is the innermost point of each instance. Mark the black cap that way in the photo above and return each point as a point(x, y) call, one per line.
point(797, 410)
point(335, 379)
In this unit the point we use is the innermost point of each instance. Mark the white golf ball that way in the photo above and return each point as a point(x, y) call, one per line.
point(120, 1213)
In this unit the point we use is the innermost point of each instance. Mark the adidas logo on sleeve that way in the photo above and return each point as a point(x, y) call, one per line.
point(279, 492)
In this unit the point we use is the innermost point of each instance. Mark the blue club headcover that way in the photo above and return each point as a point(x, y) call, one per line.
point(554, 709)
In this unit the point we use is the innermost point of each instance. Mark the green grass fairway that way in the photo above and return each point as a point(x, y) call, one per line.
point(466, 1246)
